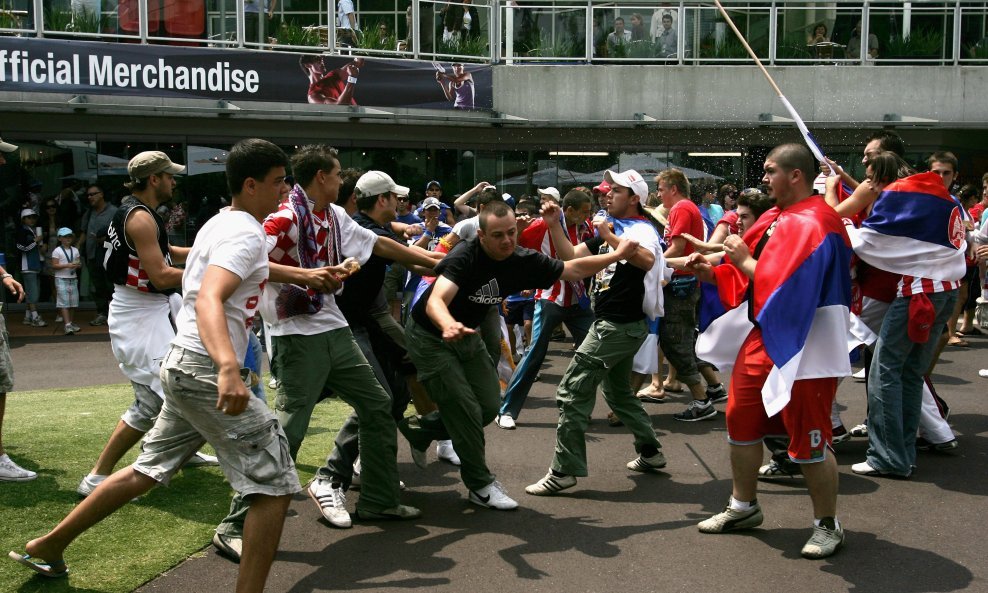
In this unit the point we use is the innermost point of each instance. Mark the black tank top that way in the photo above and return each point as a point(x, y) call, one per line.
point(122, 264)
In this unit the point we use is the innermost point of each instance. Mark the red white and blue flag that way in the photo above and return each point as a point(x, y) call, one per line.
point(916, 228)
point(800, 299)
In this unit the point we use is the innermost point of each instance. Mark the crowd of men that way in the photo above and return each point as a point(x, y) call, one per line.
point(368, 299)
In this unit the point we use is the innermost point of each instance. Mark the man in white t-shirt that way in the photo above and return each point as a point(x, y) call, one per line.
point(346, 23)
point(314, 350)
point(208, 399)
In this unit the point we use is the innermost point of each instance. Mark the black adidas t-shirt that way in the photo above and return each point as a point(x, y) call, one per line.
point(483, 281)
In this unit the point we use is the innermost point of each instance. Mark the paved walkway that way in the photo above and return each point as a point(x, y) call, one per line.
point(618, 530)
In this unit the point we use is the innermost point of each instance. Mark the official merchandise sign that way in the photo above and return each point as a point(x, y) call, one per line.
point(97, 68)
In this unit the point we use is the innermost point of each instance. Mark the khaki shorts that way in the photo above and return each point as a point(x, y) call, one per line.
point(252, 449)
point(6, 366)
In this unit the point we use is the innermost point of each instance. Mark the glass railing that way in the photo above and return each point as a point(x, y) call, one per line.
point(560, 31)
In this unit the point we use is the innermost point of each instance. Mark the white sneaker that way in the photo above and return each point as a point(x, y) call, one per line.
point(98, 320)
point(505, 421)
point(89, 483)
point(69, 330)
point(273, 383)
point(493, 496)
point(11, 472)
point(445, 451)
point(859, 376)
point(331, 502)
point(39, 322)
point(58, 319)
point(983, 373)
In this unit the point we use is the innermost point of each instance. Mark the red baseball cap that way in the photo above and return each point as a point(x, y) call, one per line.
point(921, 317)
point(603, 188)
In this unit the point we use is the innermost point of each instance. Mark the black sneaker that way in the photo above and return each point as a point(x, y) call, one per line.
point(716, 393)
point(925, 445)
point(698, 409)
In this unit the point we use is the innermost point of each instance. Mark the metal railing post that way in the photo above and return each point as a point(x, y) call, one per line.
point(956, 49)
point(331, 27)
point(494, 32)
point(142, 20)
point(39, 18)
point(865, 32)
point(773, 32)
point(241, 24)
point(416, 29)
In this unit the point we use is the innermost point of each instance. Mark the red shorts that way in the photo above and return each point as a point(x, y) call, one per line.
point(806, 418)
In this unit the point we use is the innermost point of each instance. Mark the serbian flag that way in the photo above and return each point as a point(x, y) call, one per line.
point(916, 229)
point(800, 300)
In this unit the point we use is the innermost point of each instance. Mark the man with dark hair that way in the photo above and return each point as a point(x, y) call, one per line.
point(331, 87)
point(308, 238)
point(883, 141)
point(563, 302)
point(348, 195)
point(446, 348)
point(380, 338)
point(791, 272)
point(95, 224)
point(207, 397)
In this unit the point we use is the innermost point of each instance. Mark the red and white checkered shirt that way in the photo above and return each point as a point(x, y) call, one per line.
point(537, 237)
point(282, 230)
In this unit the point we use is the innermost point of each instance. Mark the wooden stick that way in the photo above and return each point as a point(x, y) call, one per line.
point(744, 42)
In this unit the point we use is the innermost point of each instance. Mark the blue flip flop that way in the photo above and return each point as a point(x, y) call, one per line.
point(52, 570)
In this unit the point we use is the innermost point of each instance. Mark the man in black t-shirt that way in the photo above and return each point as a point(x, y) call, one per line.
point(622, 296)
point(447, 349)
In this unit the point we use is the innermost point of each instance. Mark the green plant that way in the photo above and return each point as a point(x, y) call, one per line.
point(372, 39)
point(729, 48)
point(89, 21)
point(561, 47)
point(642, 49)
point(291, 33)
point(924, 43)
point(58, 20)
point(471, 46)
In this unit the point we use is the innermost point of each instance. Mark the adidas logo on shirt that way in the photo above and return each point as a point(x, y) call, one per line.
point(488, 294)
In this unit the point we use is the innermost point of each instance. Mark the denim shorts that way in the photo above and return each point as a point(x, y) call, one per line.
point(251, 446)
point(66, 293)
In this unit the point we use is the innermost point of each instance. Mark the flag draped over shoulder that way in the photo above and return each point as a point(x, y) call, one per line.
point(800, 299)
point(916, 229)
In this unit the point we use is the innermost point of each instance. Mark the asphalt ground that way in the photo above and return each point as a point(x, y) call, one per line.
point(617, 529)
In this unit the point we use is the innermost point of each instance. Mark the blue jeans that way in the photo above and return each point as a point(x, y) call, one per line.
point(548, 316)
point(895, 385)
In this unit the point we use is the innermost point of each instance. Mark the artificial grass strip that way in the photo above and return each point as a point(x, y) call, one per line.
point(59, 434)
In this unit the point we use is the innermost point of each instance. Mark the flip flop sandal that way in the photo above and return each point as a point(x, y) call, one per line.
point(959, 343)
point(971, 332)
point(677, 388)
point(52, 570)
point(652, 397)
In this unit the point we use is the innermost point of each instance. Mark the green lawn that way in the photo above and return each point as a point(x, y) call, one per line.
point(59, 434)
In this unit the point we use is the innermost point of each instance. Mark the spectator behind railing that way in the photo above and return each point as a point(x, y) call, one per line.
point(618, 37)
point(637, 27)
point(461, 22)
point(252, 20)
point(819, 35)
point(347, 30)
point(666, 37)
point(854, 44)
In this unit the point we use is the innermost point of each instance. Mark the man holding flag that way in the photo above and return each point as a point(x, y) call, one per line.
point(790, 274)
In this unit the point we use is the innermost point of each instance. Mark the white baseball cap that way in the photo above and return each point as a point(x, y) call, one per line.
point(431, 203)
point(7, 146)
point(629, 179)
point(550, 191)
point(375, 183)
point(28, 212)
